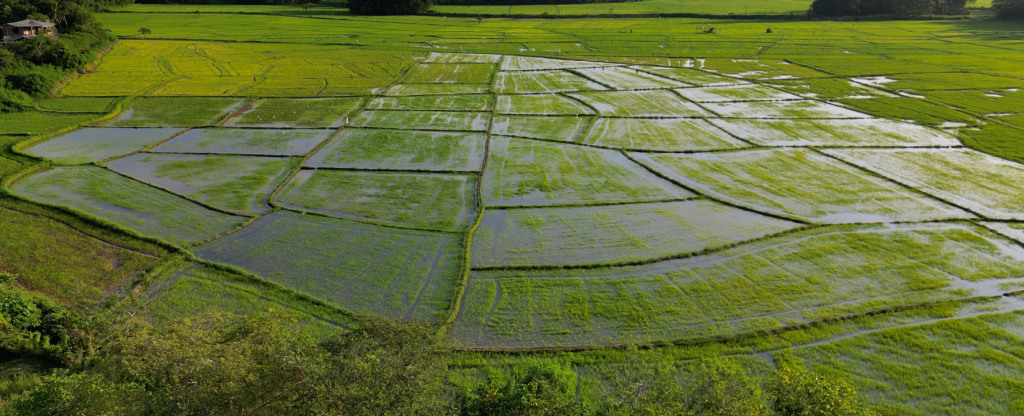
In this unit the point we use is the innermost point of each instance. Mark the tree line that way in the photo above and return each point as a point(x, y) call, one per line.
point(107, 362)
point(835, 8)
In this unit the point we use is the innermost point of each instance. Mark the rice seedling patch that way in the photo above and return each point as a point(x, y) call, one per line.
point(735, 93)
point(952, 81)
point(612, 234)
point(691, 76)
point(656, 103)
point(799, 183)
point(444, 73)
point(461, 58)
point(541, 104)
point(981, 102)
point(402, 150)
point(423, 120)
point(973, 365)
point(90, 145)
point(359, 267)
point(60, 262)
point(985, 184)
point(787, 109)
point(909, 109)
point(789, 280)
point(174, 112)
point(268, 142)
point(829, 88)
point(542, 82)
point(996, 139)
point(38, 122)
point(129, 204)
point(426, 201)
point(541, 127)
point(853, 65)
point(528, 172)
point(846, 132)
point(437, 89)
point(232, 183)
point(465, 102)
point(286, 112)
point(659, 134)
point(194, 289)
point(533, 63)
point(76, 104)
point(622, 78)
point(760, 69)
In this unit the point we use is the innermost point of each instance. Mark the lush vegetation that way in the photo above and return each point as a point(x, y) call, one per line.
point(878, 7)
point(1008, 9)
point(34, 67)
point(548, 192)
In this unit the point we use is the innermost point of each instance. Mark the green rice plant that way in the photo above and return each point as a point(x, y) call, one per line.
point(445, 73)
point(849, 132)
point(622, 78)
point(909, 109)
point(787, 109)
point(613, 234)
point(996, 139)
point(980, 102)
point(192, 289)
point(541, 104)
point(952, 81)
point(657, 103)
point(951, 367)
point(862, 64)
point(76, 104)
point(528, 172)
point(238, 184)
point(659, 134)
point(691, 76)
point(360, 267)
point(270, 142)
point(174, 112)
point(982, 183)
point(461, 58)
point(760, 69)
point(565, 129)
point(735, 93)
point(829, 88)
point(800, 183)
point(150, 67)
point(535, 63)
point(805, 276)
point(402, 150)
point(542, 82)
point(433, 202)
point(437, 89)
point(90, 145)
point(129, 204)
point(423, 120)
point(40, 123)
point(61, 263)
point(465, 102)
point(284, 112)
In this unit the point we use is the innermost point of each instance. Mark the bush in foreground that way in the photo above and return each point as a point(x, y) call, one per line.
point(267, 365)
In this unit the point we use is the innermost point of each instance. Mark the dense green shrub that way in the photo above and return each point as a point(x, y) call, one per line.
point(539, 389)
point(31, 325)
point(1009, 9)
point(389, 7)
point(800, 393)
point(80, 394)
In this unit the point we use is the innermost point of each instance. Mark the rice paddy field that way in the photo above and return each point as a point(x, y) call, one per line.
point(840, 196)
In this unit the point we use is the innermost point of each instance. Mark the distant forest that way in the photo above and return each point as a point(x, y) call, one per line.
point(887, 7)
